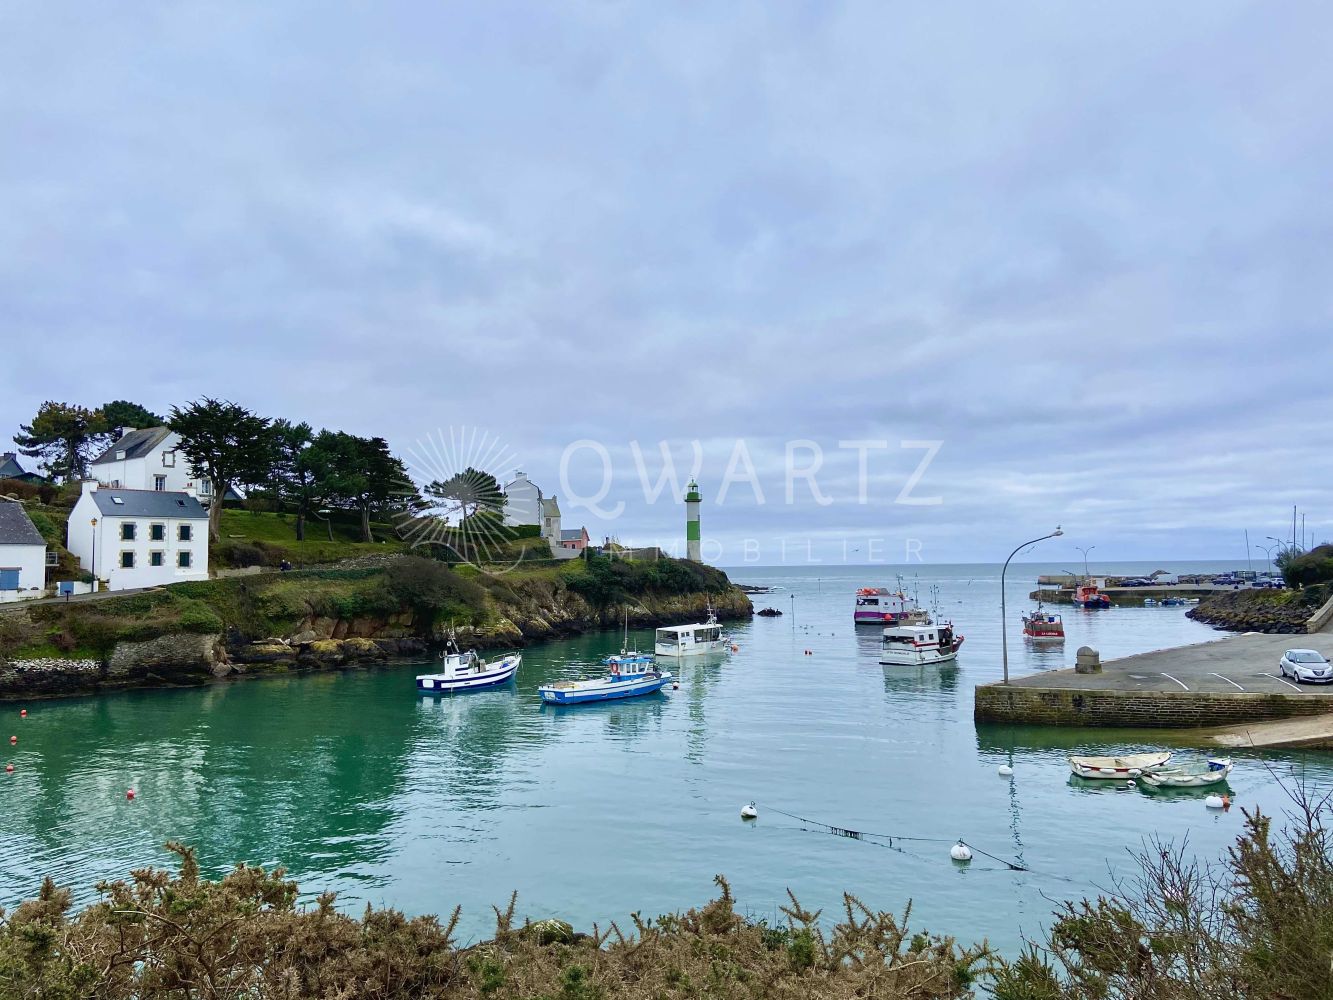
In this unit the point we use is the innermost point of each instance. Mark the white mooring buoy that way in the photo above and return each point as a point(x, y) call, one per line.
point(1004, 770)
point(749, 811)
point(1214, 802)
point(960, 852)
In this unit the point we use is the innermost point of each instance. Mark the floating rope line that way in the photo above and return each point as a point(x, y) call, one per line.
point(889, 841)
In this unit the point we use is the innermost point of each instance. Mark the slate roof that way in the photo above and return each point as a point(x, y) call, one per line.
point(15, 528)
point(10, 468)
point(571, 534)
point(135, 444)
point(148, 503)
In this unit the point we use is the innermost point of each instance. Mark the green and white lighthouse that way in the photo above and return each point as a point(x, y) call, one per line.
point(692, 501)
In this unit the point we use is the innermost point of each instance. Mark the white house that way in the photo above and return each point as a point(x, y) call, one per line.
point(148, 459)
point(523, 500)
point(22, 555)
point(139, 538)
point(525, 504)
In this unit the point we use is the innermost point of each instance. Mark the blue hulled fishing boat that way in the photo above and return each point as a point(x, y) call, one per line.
point(629, 675)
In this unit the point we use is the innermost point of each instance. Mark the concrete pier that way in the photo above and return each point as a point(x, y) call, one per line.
point(1229, 681)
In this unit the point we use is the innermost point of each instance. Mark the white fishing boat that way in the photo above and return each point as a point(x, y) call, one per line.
point(1130, 765)
point(468, 672)
point(1211, 772)
point(918, 645)
point(690, 640)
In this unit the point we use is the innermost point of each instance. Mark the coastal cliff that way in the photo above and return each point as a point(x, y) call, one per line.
point(196, 633)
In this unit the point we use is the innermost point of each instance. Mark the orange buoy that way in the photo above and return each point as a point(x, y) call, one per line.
point(129, 794)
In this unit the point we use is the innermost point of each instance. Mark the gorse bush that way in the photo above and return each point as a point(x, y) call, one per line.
point(1257, 926)
point(159, 935)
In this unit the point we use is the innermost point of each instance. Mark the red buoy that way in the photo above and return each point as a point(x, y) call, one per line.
point(130, 794)
point(23, 713)
point(13, 739)
point(9, 768)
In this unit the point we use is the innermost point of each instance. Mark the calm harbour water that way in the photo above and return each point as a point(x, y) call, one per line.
point(356, 784)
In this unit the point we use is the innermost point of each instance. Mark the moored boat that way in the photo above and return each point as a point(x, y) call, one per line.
point(468, 672)
point(1043, 625)
point(1130, 765)
point(690, 640)
point(1086, 595)
point(1211, 772)
point(631, 675)
point(881, 606)
point(918, 645)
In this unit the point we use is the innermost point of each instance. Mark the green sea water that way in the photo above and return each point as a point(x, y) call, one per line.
point(354, 783)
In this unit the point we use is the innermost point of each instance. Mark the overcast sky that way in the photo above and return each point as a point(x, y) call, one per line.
point(1086, 246)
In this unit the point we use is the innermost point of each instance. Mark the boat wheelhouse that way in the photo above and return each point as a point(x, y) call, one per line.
point(690, 640)
point(1086, 595)
point(630, 675)
point(468, 672)
point(881, 606)
point(919, 645)
point(1043, 625)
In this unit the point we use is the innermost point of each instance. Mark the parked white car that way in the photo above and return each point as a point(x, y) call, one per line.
point(1306, 665)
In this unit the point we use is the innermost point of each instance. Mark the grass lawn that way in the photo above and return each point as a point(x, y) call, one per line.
point(250, 538)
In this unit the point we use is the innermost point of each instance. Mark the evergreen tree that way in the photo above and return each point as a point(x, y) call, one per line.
point(65, 437)
point(228, 445)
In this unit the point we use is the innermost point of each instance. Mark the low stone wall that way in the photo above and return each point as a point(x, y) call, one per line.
point(1320, 619)
point(1136, 709)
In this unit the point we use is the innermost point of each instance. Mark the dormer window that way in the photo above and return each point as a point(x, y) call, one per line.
point(120, 455)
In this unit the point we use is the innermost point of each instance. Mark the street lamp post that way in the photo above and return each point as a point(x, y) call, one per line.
point(1267, 550)
point(1085, 558)
point(1004, 626)
point(93, 522)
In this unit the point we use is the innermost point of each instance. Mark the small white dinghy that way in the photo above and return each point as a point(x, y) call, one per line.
point(1213, 771)
point(1130, 765)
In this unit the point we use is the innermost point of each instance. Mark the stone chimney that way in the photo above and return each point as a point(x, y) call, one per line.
point(124, 431)
point(190, 490)
point(88, 486)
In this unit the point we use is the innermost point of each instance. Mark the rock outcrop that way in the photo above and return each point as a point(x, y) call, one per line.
point(1272, 611)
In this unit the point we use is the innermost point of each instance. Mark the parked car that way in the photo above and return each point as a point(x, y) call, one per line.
point(1303, 665)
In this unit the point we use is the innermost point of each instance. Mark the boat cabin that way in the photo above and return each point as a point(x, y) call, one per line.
point(919, 636)
point(678, 639)
point(878, 605)
point(461, 664)
point(628, 666)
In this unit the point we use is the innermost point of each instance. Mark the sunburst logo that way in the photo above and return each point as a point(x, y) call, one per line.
point(458, 507)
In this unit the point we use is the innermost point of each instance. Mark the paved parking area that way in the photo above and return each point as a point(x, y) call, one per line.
point(1246, 663)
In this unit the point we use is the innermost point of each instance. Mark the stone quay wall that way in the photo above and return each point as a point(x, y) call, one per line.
point(1136, 709)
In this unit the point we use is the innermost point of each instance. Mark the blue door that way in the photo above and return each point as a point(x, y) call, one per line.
point(9, 579)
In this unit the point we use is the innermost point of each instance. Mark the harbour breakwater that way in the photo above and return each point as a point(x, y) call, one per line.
point(197, 633)
point(1273, 612)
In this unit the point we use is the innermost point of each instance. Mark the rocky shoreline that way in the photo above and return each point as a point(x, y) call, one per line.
point(1273, 612)
point(185, 659)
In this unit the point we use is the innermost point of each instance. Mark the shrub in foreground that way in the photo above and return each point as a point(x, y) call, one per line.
point(159, 935)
